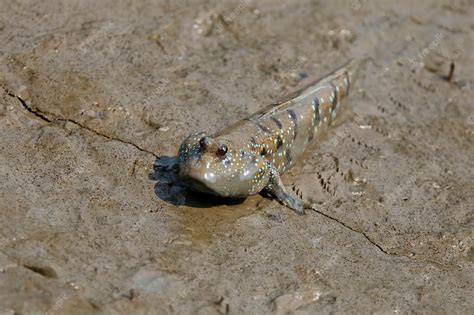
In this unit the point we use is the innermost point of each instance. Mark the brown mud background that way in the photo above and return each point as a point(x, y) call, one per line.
point(93, 91)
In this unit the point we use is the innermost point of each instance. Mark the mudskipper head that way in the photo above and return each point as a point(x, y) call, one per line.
point(219, 166)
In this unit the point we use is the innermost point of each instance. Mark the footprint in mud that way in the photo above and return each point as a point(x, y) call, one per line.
point(171, 189)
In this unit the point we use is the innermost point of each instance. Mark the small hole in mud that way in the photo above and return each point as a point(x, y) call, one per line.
point(45, 271)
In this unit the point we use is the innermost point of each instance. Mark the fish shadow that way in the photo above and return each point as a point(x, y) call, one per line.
point(171, 189)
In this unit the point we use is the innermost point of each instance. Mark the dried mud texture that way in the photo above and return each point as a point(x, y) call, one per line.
point(93, 93)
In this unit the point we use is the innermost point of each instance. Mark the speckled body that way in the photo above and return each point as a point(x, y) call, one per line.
point(248, 157)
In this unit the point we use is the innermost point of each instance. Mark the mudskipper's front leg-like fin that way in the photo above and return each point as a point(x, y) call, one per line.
point(276, 188)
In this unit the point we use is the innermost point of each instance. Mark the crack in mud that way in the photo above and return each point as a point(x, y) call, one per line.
point(44, 116)
point(379, 247)
point(356, 231)
point(28, 108)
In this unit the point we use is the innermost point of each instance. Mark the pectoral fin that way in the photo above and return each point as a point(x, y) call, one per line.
point(276, 188)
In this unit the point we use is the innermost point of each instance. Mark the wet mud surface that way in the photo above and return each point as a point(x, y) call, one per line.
point(96, 97)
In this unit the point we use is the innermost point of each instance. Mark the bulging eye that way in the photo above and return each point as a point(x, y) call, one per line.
point(204, 142)
point(222, 150)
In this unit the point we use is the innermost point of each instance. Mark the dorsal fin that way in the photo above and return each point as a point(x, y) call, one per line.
point(289, 98)
point(293, 96)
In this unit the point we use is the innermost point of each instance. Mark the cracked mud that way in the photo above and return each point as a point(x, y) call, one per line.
point(96, 97)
